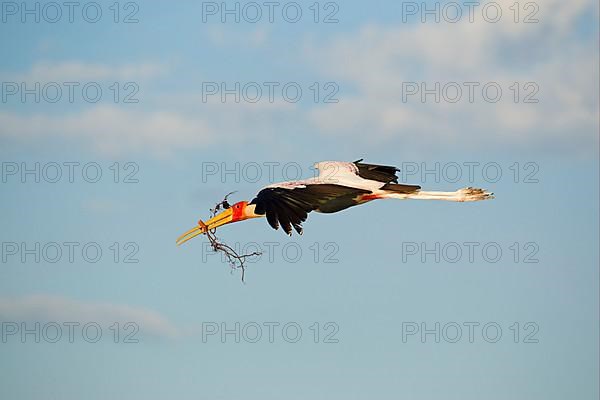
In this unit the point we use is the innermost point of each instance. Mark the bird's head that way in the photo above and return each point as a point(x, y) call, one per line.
point(240, 211)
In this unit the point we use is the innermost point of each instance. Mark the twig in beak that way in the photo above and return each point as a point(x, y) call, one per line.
point(235, 260)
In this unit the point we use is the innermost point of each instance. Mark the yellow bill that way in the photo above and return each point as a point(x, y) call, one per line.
point(220, 219)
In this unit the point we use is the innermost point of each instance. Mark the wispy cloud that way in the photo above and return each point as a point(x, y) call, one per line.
point(370, 64)
point(220, 35)
point(47, 308)
point(547, 53)
point(112, 130)
point(117, 131)
point(77, 71)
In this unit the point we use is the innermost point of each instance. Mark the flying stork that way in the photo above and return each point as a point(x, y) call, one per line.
point(338, 185)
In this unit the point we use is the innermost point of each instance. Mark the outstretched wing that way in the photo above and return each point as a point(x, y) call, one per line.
point(289, 206)
point(346, 172)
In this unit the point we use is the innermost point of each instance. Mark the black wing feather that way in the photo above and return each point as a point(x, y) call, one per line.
point(290, 207)
point(375, 172)
point(283, 216)
point(272, 219)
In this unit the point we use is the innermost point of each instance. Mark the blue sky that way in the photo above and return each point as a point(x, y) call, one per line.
point(354, 270)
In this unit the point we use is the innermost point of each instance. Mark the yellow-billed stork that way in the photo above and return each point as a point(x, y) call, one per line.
point(338, 185)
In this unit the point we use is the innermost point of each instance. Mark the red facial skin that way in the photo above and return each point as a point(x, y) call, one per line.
point(238, 211)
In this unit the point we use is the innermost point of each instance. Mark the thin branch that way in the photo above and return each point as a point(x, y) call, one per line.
point(224, 204)
point(235, 260)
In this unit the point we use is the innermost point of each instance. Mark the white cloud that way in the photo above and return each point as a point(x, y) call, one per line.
point(47, 308)
point(165, 124)
point(115, 131)
point(370, 65)
point(220, 35)
point(77, 71)
point(376, 60)
point(112, 130)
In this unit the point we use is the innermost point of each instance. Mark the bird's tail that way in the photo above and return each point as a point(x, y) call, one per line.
point(461, 195)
